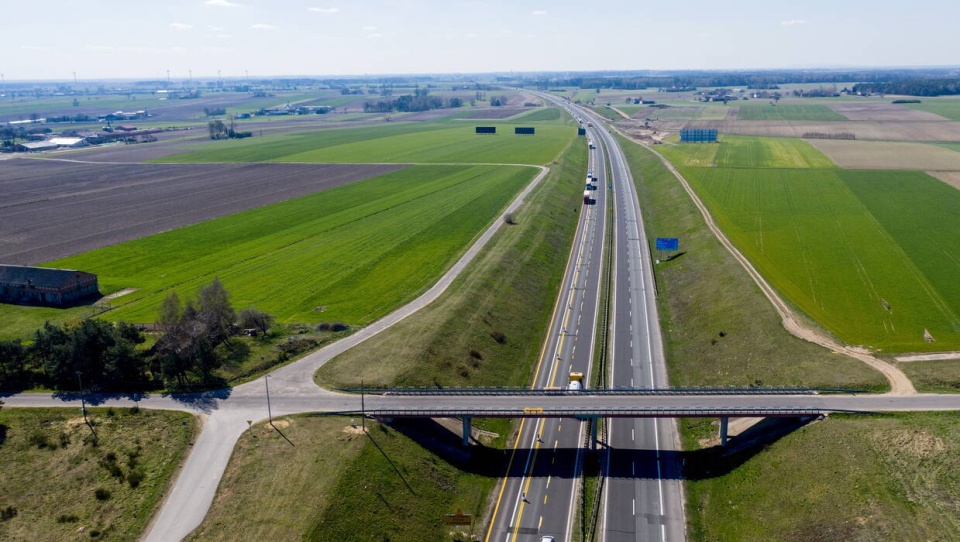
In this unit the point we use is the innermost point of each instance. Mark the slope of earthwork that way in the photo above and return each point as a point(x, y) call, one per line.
point(53, 209)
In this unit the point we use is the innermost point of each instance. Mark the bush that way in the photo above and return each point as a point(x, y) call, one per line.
point(7, 513)
point(509, 218)
point(67, 518)
point(134, 478)
point(40, 440)
point(499, 337)
point(335, 327)
point(101, 494)
point(475, 354)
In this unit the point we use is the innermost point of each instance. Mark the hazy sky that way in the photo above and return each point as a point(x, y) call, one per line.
point(52, 39)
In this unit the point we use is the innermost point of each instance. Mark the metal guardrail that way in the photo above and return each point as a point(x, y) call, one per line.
point(585, 413)
point(498, 391)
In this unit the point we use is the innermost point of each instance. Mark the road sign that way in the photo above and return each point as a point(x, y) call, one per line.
point(531, 410)
point(458, 519)
point(668, 243)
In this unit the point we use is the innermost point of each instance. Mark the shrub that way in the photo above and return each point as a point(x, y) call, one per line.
point(475, 354)
point(499, 337)
point(335, 327)
point(67, 518)
point(64, 440)
point(134, 478)
point(101, 494)
point(40, 440)
point(7, 513)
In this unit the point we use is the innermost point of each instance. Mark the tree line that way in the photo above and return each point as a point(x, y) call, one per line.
point(915, 87)
point(194, 341)
point(420, 100)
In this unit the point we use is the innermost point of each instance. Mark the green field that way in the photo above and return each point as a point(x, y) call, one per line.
point(782, 111)
point(737, 339)
point(890, 477)
point(357, 251)
point(748, 152)
point(945, 107)
point(437, 142)
point(52, 466)
point(850, 247)
point(539, 115)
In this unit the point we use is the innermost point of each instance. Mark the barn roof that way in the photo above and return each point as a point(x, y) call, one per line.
point(42, 277)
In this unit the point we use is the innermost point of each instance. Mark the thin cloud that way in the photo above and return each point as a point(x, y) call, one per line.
point(374, 36)
point(220, 3)
point(323, 10)
point(215, 28)
point(538, 13)
point(224, 36)
point(793, 22)
point(368, 28)
point(262, 26)
point(181, 26)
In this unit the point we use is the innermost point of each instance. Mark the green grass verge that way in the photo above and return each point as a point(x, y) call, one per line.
point(892, 477)
point(781, 111)
point(52, 469)
point(539, 115)
point(509, 289)
point(938, 376)
point(358, 250)
point(392, 485)
point(871, 255)
point(435, 142)
point(719, 329)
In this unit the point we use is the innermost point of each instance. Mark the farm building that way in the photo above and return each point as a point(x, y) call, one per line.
point(35, 146)
point(70, 142)
point(43, 286)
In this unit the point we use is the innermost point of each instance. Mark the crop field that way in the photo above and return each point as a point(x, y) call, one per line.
point(747, 152)
point(849, 248)
point(540, 115)
point(945, 107)
point(348, 253)
point(766, 111)
point(890, 154)
point(952, 178)
point(946, 131)
point(882, 111)
point(53, 209)
point(401, 143)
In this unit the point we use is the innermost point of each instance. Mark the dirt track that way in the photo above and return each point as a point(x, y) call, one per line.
point(52, 209)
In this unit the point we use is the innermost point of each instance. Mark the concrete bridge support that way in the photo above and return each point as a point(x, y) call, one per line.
point(466, 431)
point(723, 430)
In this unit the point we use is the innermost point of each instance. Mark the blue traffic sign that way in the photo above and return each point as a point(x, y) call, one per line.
point(668, 243)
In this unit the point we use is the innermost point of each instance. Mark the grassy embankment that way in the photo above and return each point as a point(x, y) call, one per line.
point(66, 485)
point(870, 255)
point(891, 477)
point(510, 288)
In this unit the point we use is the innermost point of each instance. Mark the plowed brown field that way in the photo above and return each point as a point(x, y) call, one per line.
point(51, 209)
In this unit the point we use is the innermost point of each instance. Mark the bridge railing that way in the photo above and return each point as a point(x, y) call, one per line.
point(480, 391)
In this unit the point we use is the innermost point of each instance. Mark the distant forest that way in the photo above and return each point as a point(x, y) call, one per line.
point(913, 82)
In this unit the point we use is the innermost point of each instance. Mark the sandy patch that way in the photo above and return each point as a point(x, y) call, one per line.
point(929, 357)
point(121, 293)
point(950, 177)
point(912, 442)
point(353, 429)
point(888, 155)
point(279, 424)
point(879, 111)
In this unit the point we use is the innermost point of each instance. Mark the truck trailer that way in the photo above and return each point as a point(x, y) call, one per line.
point(586, 197)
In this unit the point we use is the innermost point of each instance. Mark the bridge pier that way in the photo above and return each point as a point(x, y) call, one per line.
point(466, 431)
point(594, 424)
point(723, 430)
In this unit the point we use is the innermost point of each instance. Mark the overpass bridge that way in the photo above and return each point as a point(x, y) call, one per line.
point(595, 404)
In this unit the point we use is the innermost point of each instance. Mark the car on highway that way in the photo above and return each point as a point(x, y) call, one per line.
point(547, 539)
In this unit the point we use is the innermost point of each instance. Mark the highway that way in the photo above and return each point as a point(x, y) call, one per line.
point(643, 499)
point(537, 494)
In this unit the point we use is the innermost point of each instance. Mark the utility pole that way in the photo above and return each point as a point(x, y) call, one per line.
point(83, 404)
point(363, 410)
point(266, 382)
